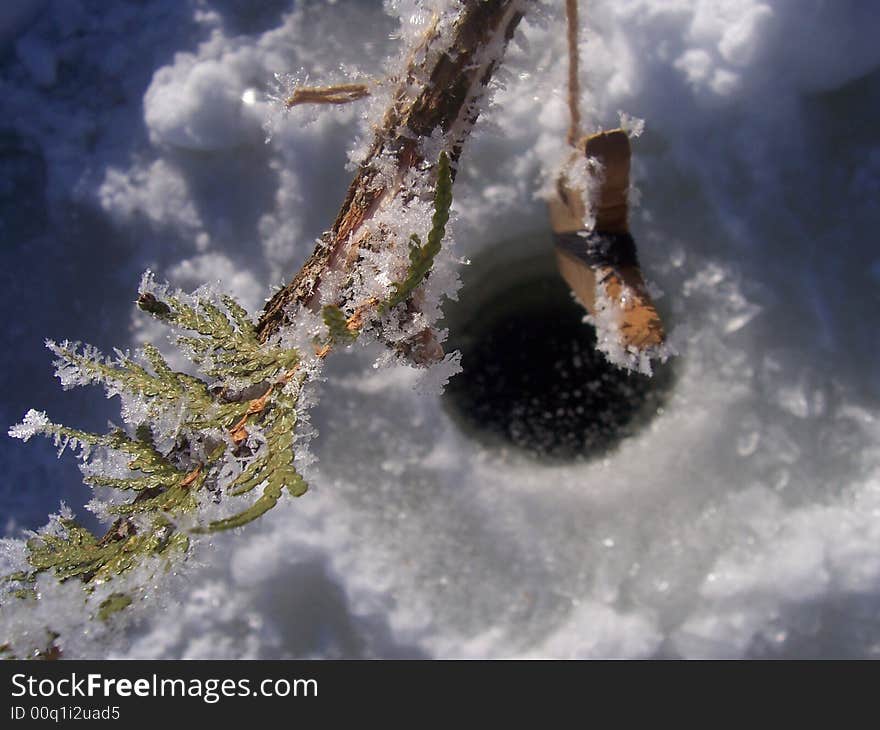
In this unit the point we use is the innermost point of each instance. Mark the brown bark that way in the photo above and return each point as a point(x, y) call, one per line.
point(448, 78)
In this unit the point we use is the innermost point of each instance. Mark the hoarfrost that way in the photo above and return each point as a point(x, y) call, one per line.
point(34, 422)
point(605, 319)
point(633, 126)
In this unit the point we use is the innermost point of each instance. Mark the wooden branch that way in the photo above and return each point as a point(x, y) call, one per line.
point(444, 80)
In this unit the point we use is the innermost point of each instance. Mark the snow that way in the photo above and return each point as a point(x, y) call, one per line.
point(743, 521)
point(195, 105)
point(37, 57)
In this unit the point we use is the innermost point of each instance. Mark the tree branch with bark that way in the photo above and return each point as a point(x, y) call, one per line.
point(445, 78)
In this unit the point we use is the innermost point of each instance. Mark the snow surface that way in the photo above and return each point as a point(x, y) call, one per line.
point(744, 521)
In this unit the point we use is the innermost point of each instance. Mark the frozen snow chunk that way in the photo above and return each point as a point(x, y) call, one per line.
point(791, 567)
point(717, 634)
point(793, 398)
point(741, 318)
point(198, 106)
point(158, 191)
point(695, 64)
point(743, 39)
point(597, 631)
point(725, 83)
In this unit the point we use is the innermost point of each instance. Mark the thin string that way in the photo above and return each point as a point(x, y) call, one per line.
point(574, 127)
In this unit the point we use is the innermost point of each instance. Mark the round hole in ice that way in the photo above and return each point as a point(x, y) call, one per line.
point(532, 377)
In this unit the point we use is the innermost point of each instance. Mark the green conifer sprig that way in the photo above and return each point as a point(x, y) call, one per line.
point(114, 603)
point(337, 326)
point(213, 427)
point(421, 256)
point(126, 375)
point(274, 467)
point(228, 346)
point(76, 553)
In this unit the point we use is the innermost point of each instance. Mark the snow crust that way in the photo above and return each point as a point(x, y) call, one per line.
point(743, 522)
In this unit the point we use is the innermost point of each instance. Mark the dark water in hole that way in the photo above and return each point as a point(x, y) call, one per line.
point(532, 377)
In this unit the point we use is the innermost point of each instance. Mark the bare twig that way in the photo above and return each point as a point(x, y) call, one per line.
point(340, 94)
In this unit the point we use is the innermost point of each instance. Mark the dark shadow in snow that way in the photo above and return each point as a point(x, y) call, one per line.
point(315, 620)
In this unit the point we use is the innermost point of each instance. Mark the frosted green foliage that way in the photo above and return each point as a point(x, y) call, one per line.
point(114, 603)
point(274, 467)
point(153, 475)
point(421, 256)
point(187, 441)
point(337, 325)
point(77, 553)
point(125, 375)
point(225, 345)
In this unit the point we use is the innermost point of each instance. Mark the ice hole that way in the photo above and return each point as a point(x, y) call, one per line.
point(532, 377)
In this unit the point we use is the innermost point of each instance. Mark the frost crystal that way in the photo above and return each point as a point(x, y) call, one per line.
point(34, 422)
point(633, 126)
